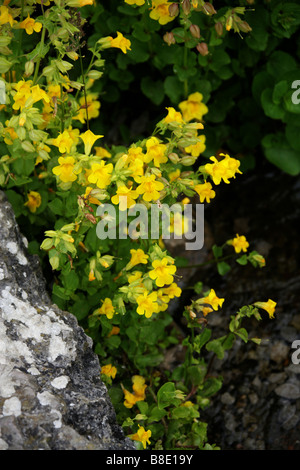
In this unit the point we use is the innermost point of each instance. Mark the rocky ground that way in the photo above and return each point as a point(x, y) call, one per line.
point(258, 407)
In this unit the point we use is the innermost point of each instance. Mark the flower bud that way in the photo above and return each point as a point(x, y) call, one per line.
point(186, 6)
point(202, 48)
point(91, 218)
point(169, 38)
point(208, 9)
point(219, 28)
point(195, 31)
point(244, 27)
point(187, 161)
point(173, 157)
point(29, 68)
point(173, 9)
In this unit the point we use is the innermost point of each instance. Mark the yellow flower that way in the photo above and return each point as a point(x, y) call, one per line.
point(197, 148)
point(79, 3)
point(172, 291)
point(9, 134)
point(141, 436)
point(138, 394)
point(178, 224)
point(91, 275)
point(135, 162)
point(155, 151)
point(114, 331)
point(137, 257)
point(89, 194)
point(22, 94)
point(101, 174)
point(147, 304)
point(5, 16)
point(107, 308)
point(64, 142)
point(135, 2)
point(223, 169)
point(30, 25)
point(160, 11)
point(173, 116)
point(90, 108)
point(162, 272)
point(34, 201)
point(239, 243)
point(268, 306)
point(89, 138)
point(139, 386)
point(212, 300)
point(65, 169)
point(205, 191)
point(135, 276)
point(150, 188)
point(101, 152)
point(193, 108)
point(127, 196)
point(109, 370)
point(174, 175)
point(120, 42)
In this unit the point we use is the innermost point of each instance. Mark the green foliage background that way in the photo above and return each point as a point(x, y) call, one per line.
point(246, 79)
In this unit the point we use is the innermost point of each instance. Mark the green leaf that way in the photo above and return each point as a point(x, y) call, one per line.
point(5, 65)
point(211, 386)
point(216, 346)
point(279, 91)
point(243, 260)
point(292, 136)
point(271, 109)
point(223, 268)
point(217, 251)
point(156, 414)
point(278, 151)
point(260, 82)
point(242, 333)
point(57, 206)
point(173, 89)
point(201, 339)
point(166, 396)
point(280, 63)
point(154, 90)
point(139, 51)
point(219, 59)
point(196, 374)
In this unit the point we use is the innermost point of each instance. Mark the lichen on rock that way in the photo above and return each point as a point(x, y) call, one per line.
point(51, 393)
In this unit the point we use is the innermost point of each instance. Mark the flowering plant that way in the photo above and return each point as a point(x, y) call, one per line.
point(70, 194)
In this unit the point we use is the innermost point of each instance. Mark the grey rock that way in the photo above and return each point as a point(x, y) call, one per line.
point(51, 393)
point(227, 399)
point(288, 390)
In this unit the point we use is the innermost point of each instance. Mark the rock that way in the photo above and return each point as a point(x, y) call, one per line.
point(288, 390)
point(51, 393)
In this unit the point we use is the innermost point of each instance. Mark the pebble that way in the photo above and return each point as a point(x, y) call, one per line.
point(279, 352)
point(277, 378)
point(288, 390)
point(227, 399)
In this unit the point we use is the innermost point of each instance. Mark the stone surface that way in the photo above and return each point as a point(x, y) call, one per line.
point(51, 393)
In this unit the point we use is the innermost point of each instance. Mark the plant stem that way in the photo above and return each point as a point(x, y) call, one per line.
point(155, 399)
point(21, 30)
point(36, 71)
point(84, 89)
point(216, 260)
